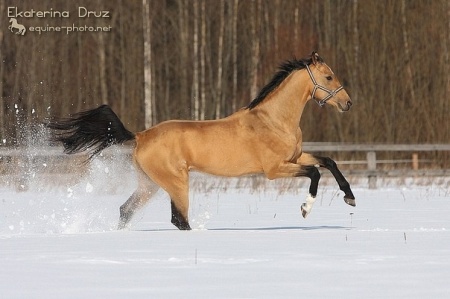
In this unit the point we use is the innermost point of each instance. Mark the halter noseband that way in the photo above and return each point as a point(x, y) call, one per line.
point(331, 93)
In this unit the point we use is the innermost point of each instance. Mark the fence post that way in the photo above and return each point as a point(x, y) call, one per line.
point(415, 161)
point(372, 169)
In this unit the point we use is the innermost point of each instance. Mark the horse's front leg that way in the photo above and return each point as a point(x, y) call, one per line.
point(328, 163)
point(288, 169)
point(313, 173)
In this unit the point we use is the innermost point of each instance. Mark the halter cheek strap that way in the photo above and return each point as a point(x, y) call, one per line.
point(331, 93)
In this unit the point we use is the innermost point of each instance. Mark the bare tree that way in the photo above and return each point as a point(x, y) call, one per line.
point(203, 61)
point(148, 99)
point(219, 86)
point(234, 52)
point(255, 16)
point(102, 68)
point(183, 24)
point(296, 26)
point(355, 65)
point(195, 81)
point(447, 70)
point(409, 72)
point(122, 52)
point(2, 103)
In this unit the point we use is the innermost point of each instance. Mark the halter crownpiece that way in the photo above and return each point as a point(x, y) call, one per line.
point(331, 93)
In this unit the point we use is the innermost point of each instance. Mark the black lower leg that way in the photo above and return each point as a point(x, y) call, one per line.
point(314, 175)
point(178, 219)
point(329, 164)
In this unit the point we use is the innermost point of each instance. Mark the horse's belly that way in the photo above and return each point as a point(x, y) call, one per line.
point(228, 171)
point(225, 165)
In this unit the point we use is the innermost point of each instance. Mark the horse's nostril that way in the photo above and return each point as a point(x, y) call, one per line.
point(349, 104)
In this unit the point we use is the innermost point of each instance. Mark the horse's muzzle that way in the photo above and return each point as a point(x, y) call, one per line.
point(348, 104)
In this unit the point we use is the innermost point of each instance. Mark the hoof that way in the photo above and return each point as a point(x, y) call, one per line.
point(350, 201)
point(181, 225)
point(184, 226)
point(122, 225)
point(305, 213)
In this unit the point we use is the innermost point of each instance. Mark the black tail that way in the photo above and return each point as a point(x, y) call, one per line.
point(92, 130)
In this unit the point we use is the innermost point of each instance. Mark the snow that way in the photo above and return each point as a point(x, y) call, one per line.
point(247, 242)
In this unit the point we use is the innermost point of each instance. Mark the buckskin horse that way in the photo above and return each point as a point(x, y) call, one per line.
point(262, 138)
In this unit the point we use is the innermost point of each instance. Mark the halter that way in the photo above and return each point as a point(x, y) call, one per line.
point(331, 93)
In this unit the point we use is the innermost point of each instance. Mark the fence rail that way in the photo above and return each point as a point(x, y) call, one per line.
point(18, 159)
point(352, 147)
point(371, 157)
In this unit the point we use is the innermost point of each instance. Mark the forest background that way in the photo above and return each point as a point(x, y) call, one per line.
point(186, 59)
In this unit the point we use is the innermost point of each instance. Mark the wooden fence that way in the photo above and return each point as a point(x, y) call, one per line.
point(371, 150)
point(18, 163)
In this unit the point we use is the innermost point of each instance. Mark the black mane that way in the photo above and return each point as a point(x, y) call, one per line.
point(285, 69)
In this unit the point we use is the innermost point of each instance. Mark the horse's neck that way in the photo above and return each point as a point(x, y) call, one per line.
point(284, 106)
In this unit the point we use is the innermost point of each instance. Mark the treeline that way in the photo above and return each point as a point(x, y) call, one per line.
point(205, 59)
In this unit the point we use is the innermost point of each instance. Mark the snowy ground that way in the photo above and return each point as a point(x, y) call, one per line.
point(247, 242)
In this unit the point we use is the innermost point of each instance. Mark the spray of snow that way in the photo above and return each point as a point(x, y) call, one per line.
point(62, 203)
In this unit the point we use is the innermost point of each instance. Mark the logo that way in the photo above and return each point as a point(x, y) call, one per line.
point(82, 13)
point(19, 27)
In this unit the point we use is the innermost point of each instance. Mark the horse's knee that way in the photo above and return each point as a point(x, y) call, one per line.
point(313, 173)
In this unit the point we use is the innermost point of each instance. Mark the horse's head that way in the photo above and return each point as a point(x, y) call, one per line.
point(12, 20)
point(326, 88)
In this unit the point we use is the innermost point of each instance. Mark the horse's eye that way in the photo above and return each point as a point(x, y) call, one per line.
point(329, 78)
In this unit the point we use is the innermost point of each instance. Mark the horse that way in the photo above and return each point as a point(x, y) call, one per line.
point(261, 138)
point(14, 25)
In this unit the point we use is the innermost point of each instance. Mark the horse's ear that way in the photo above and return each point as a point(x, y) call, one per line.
point(316, 58)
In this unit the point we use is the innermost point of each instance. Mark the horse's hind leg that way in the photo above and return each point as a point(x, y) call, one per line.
point(179, 202)
point(179, 216)
point(175, 181)
point(146, 189)
point(128, 208)
point(328, 163)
